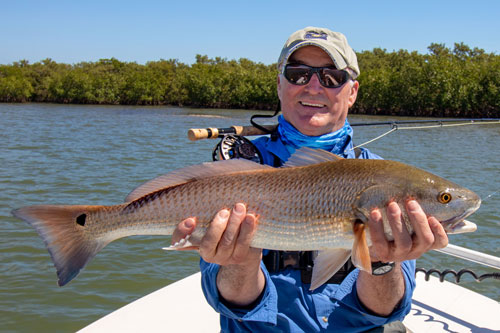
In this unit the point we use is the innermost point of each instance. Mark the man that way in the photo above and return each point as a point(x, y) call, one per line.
point(316, 87)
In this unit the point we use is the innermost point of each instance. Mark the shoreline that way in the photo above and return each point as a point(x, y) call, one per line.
point(494, 115)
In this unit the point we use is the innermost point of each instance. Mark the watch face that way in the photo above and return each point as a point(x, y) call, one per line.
point(380, 268)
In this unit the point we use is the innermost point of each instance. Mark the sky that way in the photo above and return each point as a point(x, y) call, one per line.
point(141, 31)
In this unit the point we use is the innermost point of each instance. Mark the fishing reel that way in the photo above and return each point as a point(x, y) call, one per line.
point(236, 146)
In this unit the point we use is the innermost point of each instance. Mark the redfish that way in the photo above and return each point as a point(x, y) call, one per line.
point(316, 201)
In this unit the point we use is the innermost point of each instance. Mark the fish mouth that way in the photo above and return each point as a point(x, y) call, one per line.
point(461, 227)
point(450, 224)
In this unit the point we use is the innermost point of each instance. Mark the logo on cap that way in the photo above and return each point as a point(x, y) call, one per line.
point(313, 34)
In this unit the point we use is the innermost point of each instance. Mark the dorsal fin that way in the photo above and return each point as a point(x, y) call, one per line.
point(194, 172)
point(307, 156)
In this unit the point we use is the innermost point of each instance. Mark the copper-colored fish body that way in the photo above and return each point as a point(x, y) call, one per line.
point(309, 204)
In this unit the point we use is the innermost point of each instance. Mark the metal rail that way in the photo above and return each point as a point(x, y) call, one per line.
point(471, 255)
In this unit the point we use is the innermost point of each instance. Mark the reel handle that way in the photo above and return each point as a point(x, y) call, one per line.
point(195, 134)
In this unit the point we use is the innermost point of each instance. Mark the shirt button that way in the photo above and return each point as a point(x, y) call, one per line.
point(325, 319)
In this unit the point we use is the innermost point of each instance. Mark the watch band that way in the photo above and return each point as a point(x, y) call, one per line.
point(381, 268)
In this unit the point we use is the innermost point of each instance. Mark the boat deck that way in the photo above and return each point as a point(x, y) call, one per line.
point(437, 307)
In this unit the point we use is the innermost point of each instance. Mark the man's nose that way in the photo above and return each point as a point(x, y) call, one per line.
point(314, 85)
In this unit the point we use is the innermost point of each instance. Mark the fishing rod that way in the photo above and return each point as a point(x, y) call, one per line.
point(439, 121)
point(215, 132)
point(195, 134)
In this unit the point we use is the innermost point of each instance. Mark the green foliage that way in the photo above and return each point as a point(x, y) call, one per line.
point(14, 85)
point(462, 82)
point(458, 82)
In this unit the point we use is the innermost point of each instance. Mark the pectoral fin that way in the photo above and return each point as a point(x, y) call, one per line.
point(327, 263)
point(360, 252)
point(189, 242)
point(183, 244)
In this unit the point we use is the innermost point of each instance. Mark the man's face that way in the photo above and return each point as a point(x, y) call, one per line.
point(313, 109)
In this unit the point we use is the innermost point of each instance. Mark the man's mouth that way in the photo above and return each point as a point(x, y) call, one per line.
point(314, 105)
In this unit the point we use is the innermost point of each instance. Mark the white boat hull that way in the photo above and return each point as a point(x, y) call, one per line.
point(181, 306)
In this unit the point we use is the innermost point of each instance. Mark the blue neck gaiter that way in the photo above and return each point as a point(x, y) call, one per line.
point(334, 142)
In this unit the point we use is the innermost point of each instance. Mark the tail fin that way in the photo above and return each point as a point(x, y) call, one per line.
point(63, 231)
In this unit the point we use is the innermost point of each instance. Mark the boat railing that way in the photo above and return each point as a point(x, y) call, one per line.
point(469, 255)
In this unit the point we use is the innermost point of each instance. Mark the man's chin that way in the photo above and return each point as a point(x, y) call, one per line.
point(312, 130)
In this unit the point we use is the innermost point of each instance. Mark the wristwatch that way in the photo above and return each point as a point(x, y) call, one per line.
point(381, 268)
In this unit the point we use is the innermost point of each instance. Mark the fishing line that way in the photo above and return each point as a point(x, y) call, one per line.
point(396, 127)
point(489, 196)
point(375, 139)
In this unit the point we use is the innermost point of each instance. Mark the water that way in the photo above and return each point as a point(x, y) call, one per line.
point(65, 154)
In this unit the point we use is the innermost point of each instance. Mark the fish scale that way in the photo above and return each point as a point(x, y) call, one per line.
point(293, 213)
point(297, 208)
point(310, 204)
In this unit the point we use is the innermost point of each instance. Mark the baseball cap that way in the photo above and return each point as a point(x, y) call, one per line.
point(333, 43)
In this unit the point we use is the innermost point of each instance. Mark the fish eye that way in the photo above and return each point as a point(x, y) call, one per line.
point(444, 197)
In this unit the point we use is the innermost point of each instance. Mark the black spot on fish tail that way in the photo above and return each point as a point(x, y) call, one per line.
point(81, 219)
point(70, 248)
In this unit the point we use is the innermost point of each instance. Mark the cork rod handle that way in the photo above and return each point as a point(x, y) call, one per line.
point(214, 132)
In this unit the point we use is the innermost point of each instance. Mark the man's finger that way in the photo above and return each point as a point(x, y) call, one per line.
point(402, 239)
point(245, 236)
point(183, 229)
point(208, 246)
point(377, 235)
point(227, 242)
point(440, 236)
point(424, 237)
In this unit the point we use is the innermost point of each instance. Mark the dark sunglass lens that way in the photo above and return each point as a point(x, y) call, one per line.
point(297, 75)
point(333, 77)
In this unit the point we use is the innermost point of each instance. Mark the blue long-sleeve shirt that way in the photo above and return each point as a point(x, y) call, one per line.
point(286, 304)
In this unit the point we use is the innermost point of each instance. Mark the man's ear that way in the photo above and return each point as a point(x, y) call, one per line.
point(353, 93)
point(278, 86)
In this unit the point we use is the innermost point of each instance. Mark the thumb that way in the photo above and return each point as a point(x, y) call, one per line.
point(183, 229)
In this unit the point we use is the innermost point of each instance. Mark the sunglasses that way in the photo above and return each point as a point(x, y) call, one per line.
point(329, 77)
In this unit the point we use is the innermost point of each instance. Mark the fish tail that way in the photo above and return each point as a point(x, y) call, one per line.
point(62, 230)
point(360, 251)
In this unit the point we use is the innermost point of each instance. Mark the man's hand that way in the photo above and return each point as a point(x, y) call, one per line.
point(227, 243)
point(381, 294)
point(428, 234)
